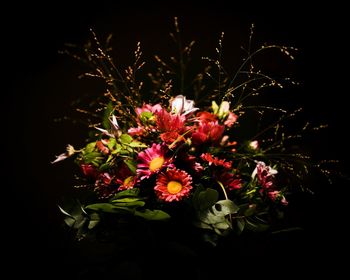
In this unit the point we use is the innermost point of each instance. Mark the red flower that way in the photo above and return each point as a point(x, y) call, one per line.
point(216, 161)
point(89, 170)
point(102, 148)
point(103, 185)
point(207, 132)
point(167, 122)
point(230, 181)
point(125, 178)
point(174, 184)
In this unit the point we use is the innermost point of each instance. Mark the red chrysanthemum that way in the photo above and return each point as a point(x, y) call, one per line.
point(230, 180)
point(174, 184)
point(216, 161)
point(151, 161)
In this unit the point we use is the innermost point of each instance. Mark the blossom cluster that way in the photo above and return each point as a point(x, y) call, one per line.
point(175, 154)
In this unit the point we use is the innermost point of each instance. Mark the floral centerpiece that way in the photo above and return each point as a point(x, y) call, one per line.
point(162, 149)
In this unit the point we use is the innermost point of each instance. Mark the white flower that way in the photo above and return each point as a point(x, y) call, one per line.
point(254, 145)
point(69, 152)
point(179, 105)
point(114, 130)
point(260, 166)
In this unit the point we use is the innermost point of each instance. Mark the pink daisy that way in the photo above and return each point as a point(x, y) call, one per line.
point(174, 184)
point(151, 161)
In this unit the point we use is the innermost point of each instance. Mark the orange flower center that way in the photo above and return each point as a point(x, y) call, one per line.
point(128, 180)
point(156, 163)
point(174, 187)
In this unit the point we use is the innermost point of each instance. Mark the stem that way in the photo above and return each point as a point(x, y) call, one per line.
point(226, 197)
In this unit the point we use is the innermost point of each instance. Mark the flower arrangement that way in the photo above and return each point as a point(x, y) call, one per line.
point(162, 150)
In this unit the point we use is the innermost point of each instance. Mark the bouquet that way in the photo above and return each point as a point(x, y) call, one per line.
point(175, 144)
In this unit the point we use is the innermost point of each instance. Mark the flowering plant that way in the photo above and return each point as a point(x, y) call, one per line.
point(170, 150)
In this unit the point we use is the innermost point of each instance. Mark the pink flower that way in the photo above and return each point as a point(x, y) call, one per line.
point(148, 108)
point(265, 174)
point(231, 119)
point(277, 196)
point(136, 131)
point(151, 161)
point(174, 184)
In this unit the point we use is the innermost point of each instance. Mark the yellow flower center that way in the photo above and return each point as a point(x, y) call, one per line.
point(128, 180)
point(156, 163)
point(174, 187)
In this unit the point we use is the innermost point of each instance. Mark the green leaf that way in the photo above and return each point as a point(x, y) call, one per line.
point(137, 144)
point(129, 202)
point(240, 222)
point(207, 198)
point(107, 207)
point(126, 200)
point(94, 220)
point(132, 165)
point(125, 139)
point(106, 114)
point(117, 149)
point(256, 226)
point(112, 142)
point(93, 157)
point(152, 214)
point(89, 148)
point(69, 221)
point(215, 107)
point(250, 210)
point(104, 166)
point(127, 193)
point(145, 116)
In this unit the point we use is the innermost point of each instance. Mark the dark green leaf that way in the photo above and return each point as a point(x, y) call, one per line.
point(207, 198)
point(131, 164)
point(107, 207)
point(69, 221)
point(94, 220)
point(106, 114)
point(104, 166)
point(240, 225)
point(135, 203)
point(153, 214)
point(127, 193)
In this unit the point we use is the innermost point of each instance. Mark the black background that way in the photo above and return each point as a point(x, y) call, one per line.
point(39, 85)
